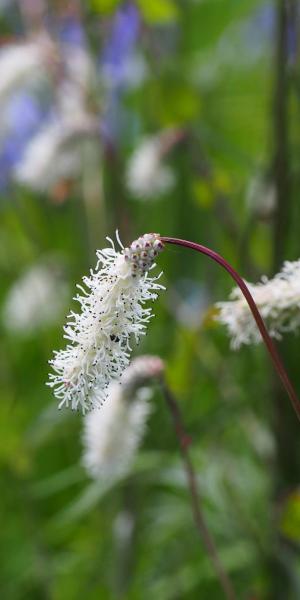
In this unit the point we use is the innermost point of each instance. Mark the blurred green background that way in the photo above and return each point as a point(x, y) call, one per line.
point(214, 84)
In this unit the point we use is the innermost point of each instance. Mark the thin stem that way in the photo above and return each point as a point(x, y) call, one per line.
point(283, 556)
point(283, 213)
point(184, 443)
point(256, 314)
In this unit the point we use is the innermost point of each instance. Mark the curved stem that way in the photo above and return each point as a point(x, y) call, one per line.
point(199, 519)
point(256, 314)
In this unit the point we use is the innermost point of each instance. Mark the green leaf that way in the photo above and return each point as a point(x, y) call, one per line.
point(58, 482)
point(290, 521)
point(158, 11)
point(85, 503)
point(203, 193)
point(104, 6)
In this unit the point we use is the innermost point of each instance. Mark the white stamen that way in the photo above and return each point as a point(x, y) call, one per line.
point(278, 300)
point(112, 312)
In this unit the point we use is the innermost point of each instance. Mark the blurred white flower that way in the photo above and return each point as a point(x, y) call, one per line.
point(241, 45)
point(278, 300)
point(261, 197)
point(134, 72)
point(55, 153)
point(189, 301)
point(140, 371)
point(79, 68)
point(259, 435)
point(25, 63)
point(36, 299)
point(147, 176)
point(123, 527)
point(112, 312)
point(113, 433)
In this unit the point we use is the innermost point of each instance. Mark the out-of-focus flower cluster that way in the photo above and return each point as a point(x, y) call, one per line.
point(59, 98)
point(278, 300)
point(113, 433)
point(147, 175)
point(37, 299)
point(45, 88)
point(112, 313)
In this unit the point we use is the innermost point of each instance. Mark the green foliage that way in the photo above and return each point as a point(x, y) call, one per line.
point(61, 533)
point(158, 12)
point(104, 6)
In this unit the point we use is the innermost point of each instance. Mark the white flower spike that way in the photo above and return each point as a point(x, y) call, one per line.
point(26, 64)
point(111, 436)
point(278, 300)
point(147, 175)
point(112, 313)
point(37, 299)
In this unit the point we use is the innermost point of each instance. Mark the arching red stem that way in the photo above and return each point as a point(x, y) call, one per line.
point(256, 314)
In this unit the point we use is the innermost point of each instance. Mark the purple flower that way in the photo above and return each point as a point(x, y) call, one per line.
point(23, 117)
point(121, 44)
point(24, 114)
point(117, 70)
point(70, 31)
point(261, 28)
point(292, 41)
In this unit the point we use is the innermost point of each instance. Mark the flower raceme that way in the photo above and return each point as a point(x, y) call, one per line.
point(112, 313)
point(111, 436)
point(36, 299)
point(147, 176)
point(278, 300)
point(274, 355)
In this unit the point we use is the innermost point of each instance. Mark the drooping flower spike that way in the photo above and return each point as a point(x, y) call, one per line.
point(112, 435)
point(255, 312)
point(278, 300)
point(112, 313)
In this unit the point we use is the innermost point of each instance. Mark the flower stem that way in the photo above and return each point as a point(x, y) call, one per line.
point(255, 312)
point(207, 539)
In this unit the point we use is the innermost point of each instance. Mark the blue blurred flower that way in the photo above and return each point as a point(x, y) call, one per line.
point(261, 29)
point(22, 117)
point(264, 22)
point(292, 41)
point(70, 31)
point(121, 69)
point(121, 44)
